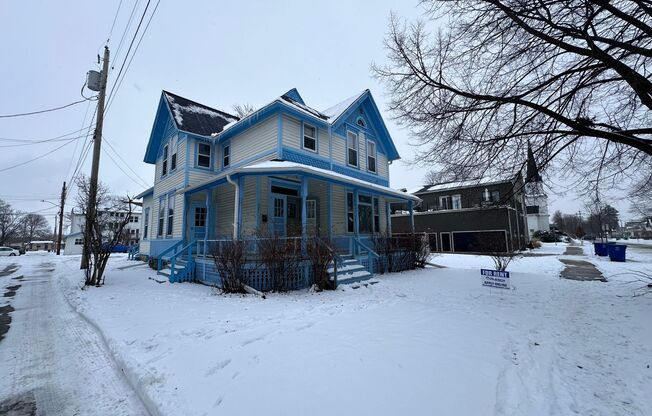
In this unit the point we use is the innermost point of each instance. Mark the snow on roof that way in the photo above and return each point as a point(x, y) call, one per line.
point(304, 107)
point(195, 117)
point(335, 111)
point(462, 184)
point(41, 242)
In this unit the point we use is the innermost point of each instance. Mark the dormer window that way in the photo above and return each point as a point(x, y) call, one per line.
point(371, 156)
point(309, 138)
point(352, 147)
point(165, 160)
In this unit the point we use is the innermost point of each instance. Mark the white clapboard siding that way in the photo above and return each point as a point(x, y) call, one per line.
point(339, 210)
point(291, 132)
point(260, 138)
point(319, 190)
point(383, 166)
point(249, 206)
point(324, 139)
point(362, 151)
point(339, 149)
point(225, 203)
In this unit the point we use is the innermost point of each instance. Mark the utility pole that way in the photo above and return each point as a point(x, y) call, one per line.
point(97, 146)
point(63, 201)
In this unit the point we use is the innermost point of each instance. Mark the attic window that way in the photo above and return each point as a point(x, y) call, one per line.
point(360, 122)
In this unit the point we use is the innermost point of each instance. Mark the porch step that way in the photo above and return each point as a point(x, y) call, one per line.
point(351, 271)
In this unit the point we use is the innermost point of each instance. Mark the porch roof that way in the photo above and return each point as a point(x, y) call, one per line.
point(292, 168)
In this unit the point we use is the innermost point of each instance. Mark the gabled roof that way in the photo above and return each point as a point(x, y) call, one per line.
point(334, 112)
point(470, 183)
point(196, 118)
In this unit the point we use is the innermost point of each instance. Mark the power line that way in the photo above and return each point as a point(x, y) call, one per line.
point(35, 158)
point(113, 24)
point(131, 44)
point(112, 96)
point(142, 181)
point(43, 141)
point(124, 32)
point(42, 111)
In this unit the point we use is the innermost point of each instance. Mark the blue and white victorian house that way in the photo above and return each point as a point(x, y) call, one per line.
point(286, 167)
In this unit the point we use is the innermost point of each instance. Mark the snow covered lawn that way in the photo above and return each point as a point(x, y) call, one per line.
point(428, 342)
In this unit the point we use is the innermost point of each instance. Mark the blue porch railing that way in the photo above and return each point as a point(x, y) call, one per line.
point(133, 252)
point(189, 270)
point(360, 247)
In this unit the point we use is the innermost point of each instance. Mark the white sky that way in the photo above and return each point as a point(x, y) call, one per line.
point(217, 53)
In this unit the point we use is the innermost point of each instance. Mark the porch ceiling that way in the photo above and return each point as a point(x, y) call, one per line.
point(292, 168)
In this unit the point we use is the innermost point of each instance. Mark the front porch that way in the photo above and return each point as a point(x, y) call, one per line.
point(286, 201)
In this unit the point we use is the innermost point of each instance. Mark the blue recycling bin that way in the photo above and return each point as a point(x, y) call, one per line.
point(601, 249)
point(617, 252)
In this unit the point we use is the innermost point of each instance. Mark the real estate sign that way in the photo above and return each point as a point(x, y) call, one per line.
point(495, 278)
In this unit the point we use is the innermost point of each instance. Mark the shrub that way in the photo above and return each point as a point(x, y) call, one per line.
point(320, 254)
point(153, 263)
point(547, 236)
point(281, 257)
point(229, 257)
point(496, 249)
point(534, 243)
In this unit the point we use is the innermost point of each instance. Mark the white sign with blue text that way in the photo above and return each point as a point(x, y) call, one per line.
point(495, 279)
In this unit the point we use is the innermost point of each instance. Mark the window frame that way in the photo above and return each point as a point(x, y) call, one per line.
point(225, 146)
point(349, 134)
point(449, 205)
point(374, 156)
point(458, 198)
point(313, 138)
point(161, 217)
point(313, 202)
point(169, 227)
point(164, 165)
point(209, 155)
point(173, 156)
point(146, 224)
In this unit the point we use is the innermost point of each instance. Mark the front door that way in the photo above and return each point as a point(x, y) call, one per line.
point(198, 221)
point(279, 214)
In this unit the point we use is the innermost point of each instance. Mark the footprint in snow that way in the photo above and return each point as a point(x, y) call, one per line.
point(217, 367)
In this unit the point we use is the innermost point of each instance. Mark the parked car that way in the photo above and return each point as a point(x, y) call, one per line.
point(21, 250)
point(8, 251)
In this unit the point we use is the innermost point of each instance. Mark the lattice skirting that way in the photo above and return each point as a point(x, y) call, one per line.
point(256, 276)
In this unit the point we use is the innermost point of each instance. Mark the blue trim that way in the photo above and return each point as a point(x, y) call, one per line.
point(357, 151)
point(157, 246)
point(294, 94)
point(257, 203)
point(184, 217)
point(305, 158)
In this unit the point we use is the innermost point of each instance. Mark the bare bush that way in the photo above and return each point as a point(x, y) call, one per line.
point(230, 260)
point(281, 257)
point(497, 250)
point(321, 256)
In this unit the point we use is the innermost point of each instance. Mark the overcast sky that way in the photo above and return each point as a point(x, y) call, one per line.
point(217, 53)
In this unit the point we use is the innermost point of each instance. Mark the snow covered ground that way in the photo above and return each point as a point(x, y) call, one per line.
point(425, 342)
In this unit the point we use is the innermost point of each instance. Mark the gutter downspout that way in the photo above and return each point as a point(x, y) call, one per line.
point(236, 207)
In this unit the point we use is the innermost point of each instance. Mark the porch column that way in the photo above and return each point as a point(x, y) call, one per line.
point(257, 204)
point(304, 207)
point(241, 192)
point(411, 210)
point(388, 211)
point(207, 221)
point(330, 211)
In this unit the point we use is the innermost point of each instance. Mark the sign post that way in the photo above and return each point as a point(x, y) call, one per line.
point(495, 279)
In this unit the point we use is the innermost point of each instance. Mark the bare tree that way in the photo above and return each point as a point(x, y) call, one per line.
point(243, 110)
point(495, 248)
point(107, 227)
point(571, 78)
point(9, 222)
point(230, 261)
point(33, 226)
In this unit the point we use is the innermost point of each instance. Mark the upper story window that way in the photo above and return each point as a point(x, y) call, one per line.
point(457, 201)
point(204, 155)
point(309, 138)
point(445, 202)
point(165, 160)
point(226, 155)
point(493, 196)
point(352, 147)
point(371, 156)
point(173, 158)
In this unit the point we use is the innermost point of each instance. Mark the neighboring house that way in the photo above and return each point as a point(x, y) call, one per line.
point(74, 241)
point(45, 245)
point(469, 216)
point(286, 167)
point(640, 228)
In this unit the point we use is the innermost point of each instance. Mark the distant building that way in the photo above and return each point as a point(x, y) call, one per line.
point(75, 239)
point(45, 245)
point(536, 199)
point(465, 216)
point(639, 229)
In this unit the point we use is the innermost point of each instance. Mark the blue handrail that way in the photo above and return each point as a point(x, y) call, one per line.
point(371, 254)
point(173, 260)
point(173, 247)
